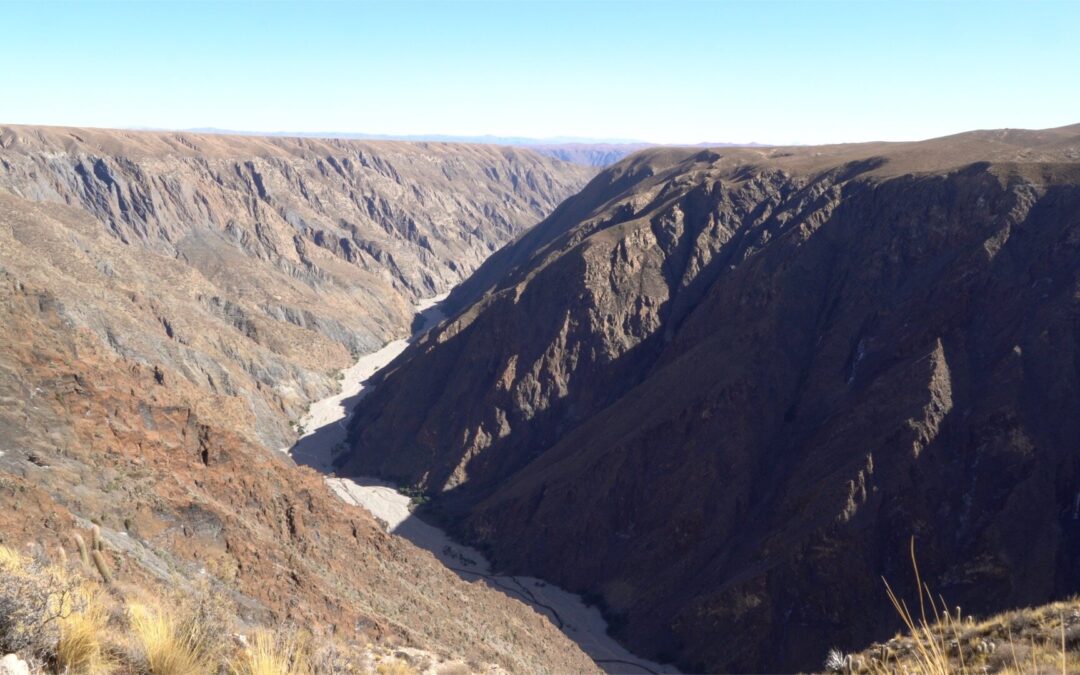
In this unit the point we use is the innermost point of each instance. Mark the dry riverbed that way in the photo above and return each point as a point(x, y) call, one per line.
point(325, 432)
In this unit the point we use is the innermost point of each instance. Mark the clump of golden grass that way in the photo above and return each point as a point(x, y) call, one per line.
point(166, 646)
point(270, 654)
point(83, 646)
point(288, 651)
point(394, 666)
point(188, 633)
point(10, 559)
point(930, 638)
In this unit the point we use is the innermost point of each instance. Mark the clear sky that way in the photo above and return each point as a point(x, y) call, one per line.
point(775, 72)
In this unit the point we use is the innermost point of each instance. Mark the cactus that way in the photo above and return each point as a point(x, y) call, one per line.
point(95, 538)
point(62, 555)
point(84, 555)
point(102, 567)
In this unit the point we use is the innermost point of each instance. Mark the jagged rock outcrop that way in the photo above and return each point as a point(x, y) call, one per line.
point(719, 390)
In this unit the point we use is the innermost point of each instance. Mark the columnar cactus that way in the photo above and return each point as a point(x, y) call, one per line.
point(102, 567)
point(84, 555)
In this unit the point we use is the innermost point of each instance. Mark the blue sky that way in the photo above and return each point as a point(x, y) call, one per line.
point(776, 72)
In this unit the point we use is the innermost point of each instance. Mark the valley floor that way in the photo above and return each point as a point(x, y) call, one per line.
point(324, 433)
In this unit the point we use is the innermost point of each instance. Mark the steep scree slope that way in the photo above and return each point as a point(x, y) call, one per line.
point(721, 389)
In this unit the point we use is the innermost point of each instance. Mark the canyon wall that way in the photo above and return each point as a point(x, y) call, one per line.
point(721, 390)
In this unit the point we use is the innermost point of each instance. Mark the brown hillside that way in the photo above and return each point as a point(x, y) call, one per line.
point(168, 302)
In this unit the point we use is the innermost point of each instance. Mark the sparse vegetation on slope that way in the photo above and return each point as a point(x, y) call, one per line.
point(60, 620)
point(1044, 639)
point(941, 640)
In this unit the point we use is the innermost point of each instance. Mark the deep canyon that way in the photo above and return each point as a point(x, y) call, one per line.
point(703, 398)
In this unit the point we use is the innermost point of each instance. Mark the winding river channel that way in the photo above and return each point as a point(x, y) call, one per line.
point(325, 434)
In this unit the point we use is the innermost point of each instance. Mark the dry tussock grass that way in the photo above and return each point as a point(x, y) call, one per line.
point(83, 644)
point(270, 654)
point(938, 641)
point(64, 620)
point(165, 645)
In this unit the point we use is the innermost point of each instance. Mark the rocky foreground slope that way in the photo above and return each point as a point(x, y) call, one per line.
point(168, 302)
point(720, 390)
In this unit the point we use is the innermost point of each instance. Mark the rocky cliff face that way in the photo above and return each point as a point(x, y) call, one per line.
point(168, 302)
point(720, 390)
point(255, 267)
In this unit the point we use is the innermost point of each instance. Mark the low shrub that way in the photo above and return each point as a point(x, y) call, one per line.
point(34, 597)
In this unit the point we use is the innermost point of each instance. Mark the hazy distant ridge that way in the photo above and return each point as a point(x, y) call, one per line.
point(599, 152)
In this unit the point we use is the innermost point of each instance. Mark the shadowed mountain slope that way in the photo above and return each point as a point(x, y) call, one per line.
point(720, 390)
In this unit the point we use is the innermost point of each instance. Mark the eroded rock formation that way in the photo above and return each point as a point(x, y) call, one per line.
point(256, 267)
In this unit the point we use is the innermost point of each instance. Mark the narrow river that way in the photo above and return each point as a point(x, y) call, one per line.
point(324, 438)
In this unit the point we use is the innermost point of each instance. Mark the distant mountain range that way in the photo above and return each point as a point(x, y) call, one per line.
point(486, 139)
point(598, 152)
